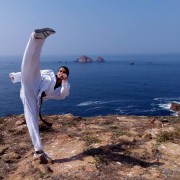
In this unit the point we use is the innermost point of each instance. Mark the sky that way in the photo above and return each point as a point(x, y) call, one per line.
point(87, 27)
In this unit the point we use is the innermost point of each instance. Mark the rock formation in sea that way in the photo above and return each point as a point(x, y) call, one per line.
point(100, 59)
point(84, 59)
point(175, 106)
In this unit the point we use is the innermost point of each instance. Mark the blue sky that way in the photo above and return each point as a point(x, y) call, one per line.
point(92, 26)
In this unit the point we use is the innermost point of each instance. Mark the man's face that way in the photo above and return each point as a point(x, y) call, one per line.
point(60, 72)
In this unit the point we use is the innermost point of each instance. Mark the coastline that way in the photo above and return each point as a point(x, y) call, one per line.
point(98, 147)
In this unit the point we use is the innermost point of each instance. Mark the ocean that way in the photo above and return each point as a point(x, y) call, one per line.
point(143, 85)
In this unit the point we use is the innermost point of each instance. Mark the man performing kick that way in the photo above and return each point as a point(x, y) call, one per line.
point(37, 84)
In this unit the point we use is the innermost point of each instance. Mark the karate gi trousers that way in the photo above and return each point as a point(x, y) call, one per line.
point(30, 84)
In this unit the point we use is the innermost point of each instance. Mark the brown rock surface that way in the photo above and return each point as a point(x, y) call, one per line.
point(103, 147)
point(175, 107)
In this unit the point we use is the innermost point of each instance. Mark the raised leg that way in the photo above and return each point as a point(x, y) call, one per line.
point(31, 81)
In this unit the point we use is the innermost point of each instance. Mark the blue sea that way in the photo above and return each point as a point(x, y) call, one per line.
point(143, 85)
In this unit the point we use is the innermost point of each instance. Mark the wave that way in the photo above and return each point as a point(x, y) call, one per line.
point(134, 110)
point(165, 103)
point(175, 114)
point(174, 99)
point(94, 108)
point(157, 106)
point(89, 103)
point(165, 106)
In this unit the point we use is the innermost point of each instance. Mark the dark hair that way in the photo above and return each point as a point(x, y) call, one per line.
point(66, 68)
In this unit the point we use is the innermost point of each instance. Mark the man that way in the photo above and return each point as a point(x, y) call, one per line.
point(35, 83)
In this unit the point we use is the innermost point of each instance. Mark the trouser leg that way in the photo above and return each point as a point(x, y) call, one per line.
point(31, 81)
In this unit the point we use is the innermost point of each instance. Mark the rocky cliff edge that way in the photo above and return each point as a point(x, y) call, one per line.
point(102, 147)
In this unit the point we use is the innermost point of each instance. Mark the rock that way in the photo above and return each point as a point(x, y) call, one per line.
point(69, 116)
point(147, 136)
point(135, 171)
point(84, 59)
point(100, 59)
point(171, 150)
point(20, 122)
point(127, 138)
point(158, 124)
point(43, 168)
point(89, 168)
point(11, 157)
point(3, 149)
point(21, 177)
point(175, 106)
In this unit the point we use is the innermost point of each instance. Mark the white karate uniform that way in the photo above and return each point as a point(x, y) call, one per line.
point(33, 82)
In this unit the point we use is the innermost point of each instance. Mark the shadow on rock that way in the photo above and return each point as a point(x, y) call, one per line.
point(110, 153)
point(72, 158)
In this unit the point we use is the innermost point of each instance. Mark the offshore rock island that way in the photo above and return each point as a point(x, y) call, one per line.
point(86, 59)
point(101, 147)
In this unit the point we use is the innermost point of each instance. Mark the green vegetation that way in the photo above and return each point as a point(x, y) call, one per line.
point(100, 158)
point(168, 136)
point(117, 131)
point(120, 132)
point(69, 123)
point(90, 140)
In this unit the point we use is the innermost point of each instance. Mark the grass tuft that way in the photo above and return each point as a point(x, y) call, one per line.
point(169, 136)
point(90, 140)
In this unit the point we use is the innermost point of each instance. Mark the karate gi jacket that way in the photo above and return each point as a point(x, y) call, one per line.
point(47, 85)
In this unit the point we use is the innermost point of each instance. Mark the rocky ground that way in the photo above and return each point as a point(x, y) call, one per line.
point(102, 147)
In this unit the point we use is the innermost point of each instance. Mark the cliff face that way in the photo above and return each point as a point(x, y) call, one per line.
point(103, 147)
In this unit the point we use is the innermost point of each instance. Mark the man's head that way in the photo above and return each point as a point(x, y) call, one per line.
point(62, 70)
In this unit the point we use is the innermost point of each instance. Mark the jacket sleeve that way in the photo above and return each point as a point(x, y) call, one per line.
point(61, 92)
point(15, 77)
point(65, 87)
